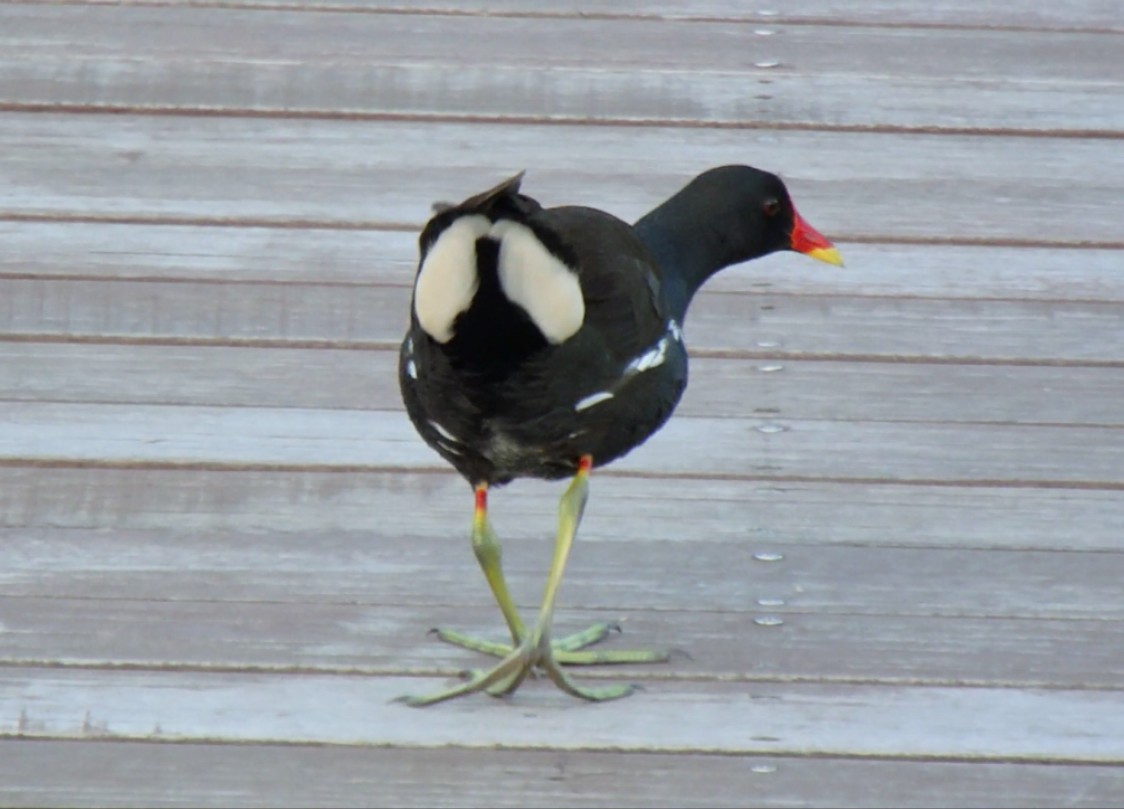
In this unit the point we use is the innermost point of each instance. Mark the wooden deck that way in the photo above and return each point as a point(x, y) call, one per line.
point(887, 523)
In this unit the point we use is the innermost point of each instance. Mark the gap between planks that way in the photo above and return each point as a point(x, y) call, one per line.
point(17, 462)
point(984, 725)
point(328, 114)
point(675, 14)
point(376, 226)
point(394, 345)
point(229, 775)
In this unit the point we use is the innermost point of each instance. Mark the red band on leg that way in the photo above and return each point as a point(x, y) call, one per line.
point(585, 464)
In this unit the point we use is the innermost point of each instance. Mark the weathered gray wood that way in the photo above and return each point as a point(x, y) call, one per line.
point(358, 172)
point(273, 255)
point(723, 646)
point(720, 387)
point(194, 33)
point(382, 506)
point(519, 67)
point(195, 775)
point(1063, 15)
point(753, 325)
point(759, 448)
point(803, 719)
point(609, 576)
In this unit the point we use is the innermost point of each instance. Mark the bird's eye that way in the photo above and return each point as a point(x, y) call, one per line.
point(771, 206)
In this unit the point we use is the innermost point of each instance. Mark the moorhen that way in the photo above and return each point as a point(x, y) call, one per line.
point(546, 341)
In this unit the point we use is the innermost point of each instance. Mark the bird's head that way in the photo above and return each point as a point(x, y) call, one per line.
point(751, 211)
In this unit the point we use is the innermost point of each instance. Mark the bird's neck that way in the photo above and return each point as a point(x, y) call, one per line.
point(688, 250)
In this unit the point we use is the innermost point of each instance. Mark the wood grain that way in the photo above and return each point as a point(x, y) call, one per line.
point(611, 575)
point(526, 67)
point(219, 254)
point(745, 325)
point(221, 543)
point(811, 644)
point(327, 378)
point(101, 250)
point(246, 775)
point(1019, 14)
point(798, 719)
point(308, 172)
point(437, 505)
point(657, 509)
point(694, 447)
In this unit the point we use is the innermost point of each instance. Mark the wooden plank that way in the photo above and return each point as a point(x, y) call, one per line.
point(310, 255)
point(190, 33)
point(720, 387)
point(519, 67)
point(723, 646)
point(799, 719)
point(745, 325)
point(608, 576)
point(266, 255)
point(1063, 15)
point(356, 172)
point(438, 505)
point(52, 773)
point(110, 434)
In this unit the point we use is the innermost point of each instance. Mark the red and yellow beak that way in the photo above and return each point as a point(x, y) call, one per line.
point(809, 241)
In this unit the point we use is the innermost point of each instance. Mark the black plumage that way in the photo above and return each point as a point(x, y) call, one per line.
point(507, 387)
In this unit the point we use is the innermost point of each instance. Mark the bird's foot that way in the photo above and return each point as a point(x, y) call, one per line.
point(568, 651)
point(529, 657)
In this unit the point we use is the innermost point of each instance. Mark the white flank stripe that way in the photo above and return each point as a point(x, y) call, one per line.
point(448, 436)
point(447, 281)
point(536, 280)
point(651, 358)
point(592, 399)
point(655, 356)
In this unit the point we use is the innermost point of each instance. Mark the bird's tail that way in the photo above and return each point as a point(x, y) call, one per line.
point(502, 201)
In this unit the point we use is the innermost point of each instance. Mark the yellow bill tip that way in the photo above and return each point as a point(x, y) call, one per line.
point(828, 255)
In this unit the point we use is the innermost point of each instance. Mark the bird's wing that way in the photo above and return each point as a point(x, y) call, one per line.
point(619, 280)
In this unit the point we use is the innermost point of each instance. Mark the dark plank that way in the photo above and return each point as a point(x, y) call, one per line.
point(356, 172)
point(264, 255)
point(557, 68)
point(1061, 15)
point(195, 775)
point(979, 724)
point(754, 325)
point(720, 387)
point(612, 575)
point(745, 513)
point(723, 646)
point(768, 448)
point(277, 255)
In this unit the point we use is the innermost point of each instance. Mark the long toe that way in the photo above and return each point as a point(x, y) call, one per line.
point(506, 676)
point(593, 694)
point(475, 644)
point(572, 650)
point(508, 673)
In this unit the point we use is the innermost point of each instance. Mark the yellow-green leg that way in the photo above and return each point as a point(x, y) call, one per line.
point(486, 547)
point(535, 650)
